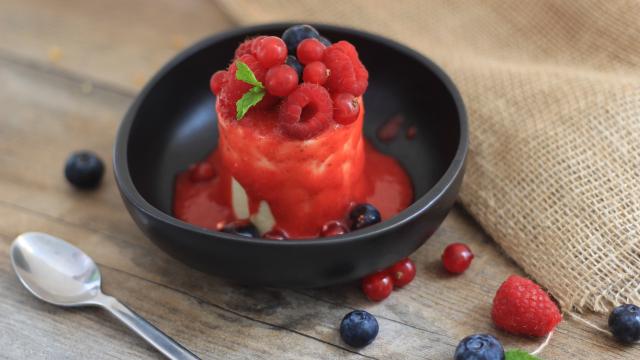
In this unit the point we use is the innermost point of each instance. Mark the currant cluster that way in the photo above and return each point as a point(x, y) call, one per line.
point(308, 80)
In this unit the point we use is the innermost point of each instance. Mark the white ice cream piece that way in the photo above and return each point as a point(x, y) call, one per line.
point(263, 219)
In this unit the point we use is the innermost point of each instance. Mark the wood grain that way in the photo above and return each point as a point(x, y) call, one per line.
point(48, 112)
point(118, 42)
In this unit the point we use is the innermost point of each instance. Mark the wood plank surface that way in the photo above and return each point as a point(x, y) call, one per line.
point(49, 111)
point(119, 42)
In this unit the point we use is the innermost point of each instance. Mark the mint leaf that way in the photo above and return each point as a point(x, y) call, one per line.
point(245, 74)
point(519, 355)
point(249, 99)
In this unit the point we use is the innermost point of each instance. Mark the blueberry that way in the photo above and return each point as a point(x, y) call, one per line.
point(295, 34)
point(479, 347)
point(324, 41)
point(84, 169)
point(358, 328)
point(363, 215)
point(295, 64)
point(624, 323)
point(242, 228)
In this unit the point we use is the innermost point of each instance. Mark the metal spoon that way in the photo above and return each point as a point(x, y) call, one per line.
point(60, 273)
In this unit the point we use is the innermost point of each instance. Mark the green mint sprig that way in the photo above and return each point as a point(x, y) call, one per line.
point(519, 355)
point(251, 97)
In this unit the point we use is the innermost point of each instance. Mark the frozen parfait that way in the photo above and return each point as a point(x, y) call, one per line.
point(291, 161)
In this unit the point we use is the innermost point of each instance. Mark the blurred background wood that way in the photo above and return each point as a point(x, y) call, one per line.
point(69, 70)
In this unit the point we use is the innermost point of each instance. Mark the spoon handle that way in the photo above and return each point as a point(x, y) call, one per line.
point(163, 343)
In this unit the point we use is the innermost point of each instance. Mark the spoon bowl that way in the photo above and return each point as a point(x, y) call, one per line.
point(59, 273)
point(54, 270)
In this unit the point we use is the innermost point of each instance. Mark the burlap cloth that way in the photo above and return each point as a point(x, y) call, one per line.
point(553, 94)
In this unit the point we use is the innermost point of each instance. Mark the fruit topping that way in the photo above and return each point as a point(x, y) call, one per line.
point(624, 323)
point(479, 347)
point(84, 170)
point(306, 112)
point(403, 272)
point(281, 80)
point(456, 258)
point(270, 51)
point(217, 81)
point(333, 228)
point(358, 328)
point(294, 35)
point(265, 81)
point(522, 307)
point(310, 50)
point(201, 172)
point(242, 228)
point(363, 215)
point(315, 73)
point(247, 47)
point(377, 286)
point(295, 64)
point(347, 74)
point(345, 108)
point(234, 89)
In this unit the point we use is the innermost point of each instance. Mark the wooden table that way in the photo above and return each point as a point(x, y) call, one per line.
point(68, 72)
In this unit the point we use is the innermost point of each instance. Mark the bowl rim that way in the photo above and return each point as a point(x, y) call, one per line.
point(419, 205)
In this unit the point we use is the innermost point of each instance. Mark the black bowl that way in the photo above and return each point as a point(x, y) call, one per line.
point(172, 124)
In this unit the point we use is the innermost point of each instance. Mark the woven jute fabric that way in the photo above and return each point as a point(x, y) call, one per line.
point(552, 89)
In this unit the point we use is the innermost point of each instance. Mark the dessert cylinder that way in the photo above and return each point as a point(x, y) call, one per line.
point(297, 184)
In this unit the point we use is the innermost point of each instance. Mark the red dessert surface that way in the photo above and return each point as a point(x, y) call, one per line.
point(307, 178)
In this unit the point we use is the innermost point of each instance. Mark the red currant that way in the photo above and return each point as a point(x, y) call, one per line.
point(345, 108)
point(281, 80)
point(315, 73)
point(456, 258)
point(201, 172)
point(377, 286)
point(333, 228)
point(276, 234)
point(271, 51)
point(402, 272)
point(217, 81)
point(310, 50)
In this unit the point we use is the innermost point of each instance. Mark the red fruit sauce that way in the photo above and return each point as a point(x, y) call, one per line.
point(305, 183)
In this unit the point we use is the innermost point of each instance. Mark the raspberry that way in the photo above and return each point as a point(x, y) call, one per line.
point(267, 102)
point(306, 112)
point(233, 89)
point(315, 73)
point(217, 81)
point(310, 50)
point(281, 80)
point(255, 44)
point(271, 51)
point(345, 108)
point(522, 307)
point(247, 47)
point(347, 74)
